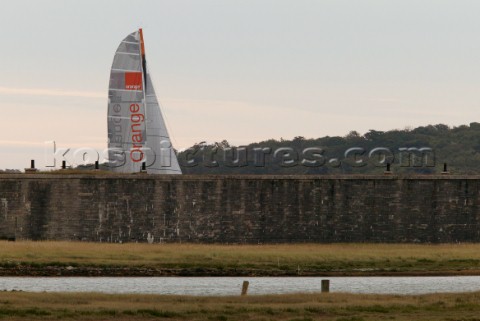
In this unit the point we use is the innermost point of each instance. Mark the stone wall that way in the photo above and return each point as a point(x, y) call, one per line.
point(240, 209)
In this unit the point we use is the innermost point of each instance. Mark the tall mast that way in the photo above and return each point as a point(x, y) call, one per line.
point(144, 62)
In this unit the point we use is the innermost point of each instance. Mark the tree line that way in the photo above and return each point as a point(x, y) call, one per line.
point(421, 150)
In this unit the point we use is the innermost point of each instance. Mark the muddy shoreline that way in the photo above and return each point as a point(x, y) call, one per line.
point(95, 271)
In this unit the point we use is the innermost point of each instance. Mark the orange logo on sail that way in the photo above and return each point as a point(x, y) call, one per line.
point(133, 81)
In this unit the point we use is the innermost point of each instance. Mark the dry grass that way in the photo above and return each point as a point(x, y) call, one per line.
point(339, 307)
point(334, 306)
point(310, 257)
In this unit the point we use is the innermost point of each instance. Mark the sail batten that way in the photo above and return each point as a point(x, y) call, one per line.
point(136, 129)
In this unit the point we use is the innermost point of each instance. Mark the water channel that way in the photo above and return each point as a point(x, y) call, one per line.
point(223, 286)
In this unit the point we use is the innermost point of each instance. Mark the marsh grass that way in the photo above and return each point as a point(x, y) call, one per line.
point(333, 306)
point(307, 257)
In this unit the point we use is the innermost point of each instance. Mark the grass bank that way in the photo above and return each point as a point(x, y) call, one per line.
point(298, 307)
point(76, 258)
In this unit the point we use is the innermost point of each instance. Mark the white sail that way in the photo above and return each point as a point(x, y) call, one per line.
point(136, 131)
point(158, 140)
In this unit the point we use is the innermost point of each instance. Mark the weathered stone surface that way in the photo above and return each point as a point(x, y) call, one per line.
point(240, 209)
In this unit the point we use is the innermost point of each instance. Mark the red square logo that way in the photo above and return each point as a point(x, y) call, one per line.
point(133, 81)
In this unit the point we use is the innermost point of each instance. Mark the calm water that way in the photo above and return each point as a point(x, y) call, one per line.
point(232, 285)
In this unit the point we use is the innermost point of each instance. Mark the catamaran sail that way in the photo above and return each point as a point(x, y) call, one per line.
point(136, 129)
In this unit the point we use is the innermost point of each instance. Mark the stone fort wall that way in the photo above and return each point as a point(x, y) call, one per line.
point(240, 209)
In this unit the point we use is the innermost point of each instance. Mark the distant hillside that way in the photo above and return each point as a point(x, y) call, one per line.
point(459, 147)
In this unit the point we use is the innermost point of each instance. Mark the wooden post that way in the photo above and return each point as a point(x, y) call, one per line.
point(32, 168)
point(325, 286)
point(245, 287)
point(445, 168)
point(388, 171)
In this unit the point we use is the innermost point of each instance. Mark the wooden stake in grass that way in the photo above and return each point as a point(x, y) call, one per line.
point(245, 287)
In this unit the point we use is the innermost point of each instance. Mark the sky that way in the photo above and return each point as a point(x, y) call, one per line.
point(243, 70)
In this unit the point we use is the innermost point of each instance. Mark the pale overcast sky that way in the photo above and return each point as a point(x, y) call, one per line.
point(244, 70)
